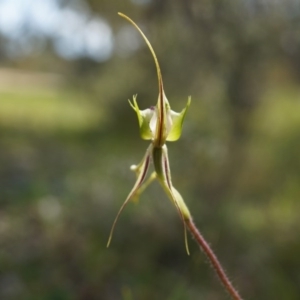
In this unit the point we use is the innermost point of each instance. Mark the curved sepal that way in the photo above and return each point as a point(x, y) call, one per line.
point(141, 175)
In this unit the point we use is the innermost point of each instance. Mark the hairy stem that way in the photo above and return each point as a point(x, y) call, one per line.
point(212, 259)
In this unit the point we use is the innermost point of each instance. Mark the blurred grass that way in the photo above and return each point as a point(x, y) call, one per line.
point(46, 110)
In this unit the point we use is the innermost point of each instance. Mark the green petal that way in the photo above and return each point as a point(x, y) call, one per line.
point(144, 117)
point(177, 119)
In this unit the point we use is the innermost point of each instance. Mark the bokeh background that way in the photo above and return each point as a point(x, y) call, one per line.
point(68, 137)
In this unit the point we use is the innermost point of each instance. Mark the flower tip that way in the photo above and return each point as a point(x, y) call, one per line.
point(186, 242)
point(133, 167)
point(108, 242)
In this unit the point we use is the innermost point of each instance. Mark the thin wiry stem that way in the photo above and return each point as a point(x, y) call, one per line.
point(213, 259)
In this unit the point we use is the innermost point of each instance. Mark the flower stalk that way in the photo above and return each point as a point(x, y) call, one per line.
point(160, 124)
point(204, 246)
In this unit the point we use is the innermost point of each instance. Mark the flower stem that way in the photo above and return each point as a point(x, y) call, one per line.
point(213, 259)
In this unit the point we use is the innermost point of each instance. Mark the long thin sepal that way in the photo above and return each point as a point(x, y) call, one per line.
point(162, 168)
point(160, 131)
point(141, 177)
point(142, 188)
point(184, 216)
point(176, 197)
point(160, 83)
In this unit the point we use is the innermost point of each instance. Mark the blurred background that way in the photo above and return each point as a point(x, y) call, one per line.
point(68, 138)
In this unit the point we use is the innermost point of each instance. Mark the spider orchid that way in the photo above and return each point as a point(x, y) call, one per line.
point(158, 124)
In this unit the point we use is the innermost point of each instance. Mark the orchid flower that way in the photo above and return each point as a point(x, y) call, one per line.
point(160, 124)
point(157, 124)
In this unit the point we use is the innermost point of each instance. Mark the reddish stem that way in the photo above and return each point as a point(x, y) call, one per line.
point(213, 259)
